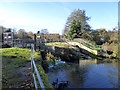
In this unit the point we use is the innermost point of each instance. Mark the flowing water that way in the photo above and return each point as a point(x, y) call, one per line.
point(87, 74)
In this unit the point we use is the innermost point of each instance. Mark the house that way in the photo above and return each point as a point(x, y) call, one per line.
point(8, 38)
point(6, 35)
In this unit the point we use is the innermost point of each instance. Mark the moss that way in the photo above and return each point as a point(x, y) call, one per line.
point(43, 76)
point(95, 56)
point(50, 59)
point(80, 57)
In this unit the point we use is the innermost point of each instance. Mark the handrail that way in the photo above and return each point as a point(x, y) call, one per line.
point(33, 66)
point(91, 46)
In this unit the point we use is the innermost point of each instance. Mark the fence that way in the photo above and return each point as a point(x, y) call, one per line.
point(22, 43)
point(34, 68)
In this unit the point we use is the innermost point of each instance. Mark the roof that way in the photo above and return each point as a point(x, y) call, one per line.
point(7, 32)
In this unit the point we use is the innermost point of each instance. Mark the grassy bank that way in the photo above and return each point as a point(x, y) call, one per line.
point(59, 44)
point(16, 60)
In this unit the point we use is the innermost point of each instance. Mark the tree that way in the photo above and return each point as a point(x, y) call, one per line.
point(74, 29)
point(97, 39)
point(21, 33)
point(95, 36)
point(30, 34)
point(106, 38)
point(102, 32)
point(76, 24)
point(8, 30)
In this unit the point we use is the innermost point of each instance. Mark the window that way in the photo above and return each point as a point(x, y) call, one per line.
point(9, 34)
point(5, 37)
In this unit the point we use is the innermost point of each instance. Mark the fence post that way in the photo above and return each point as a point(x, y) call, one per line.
point(23, 41)
point(12, 40)
point(34, 68)
point(35, 42)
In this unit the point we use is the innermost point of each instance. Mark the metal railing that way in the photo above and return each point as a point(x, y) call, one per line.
point(34, 68)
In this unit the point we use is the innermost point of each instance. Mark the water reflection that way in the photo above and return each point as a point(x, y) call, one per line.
point(113, 74)
point(77, 75)
point(88, 74)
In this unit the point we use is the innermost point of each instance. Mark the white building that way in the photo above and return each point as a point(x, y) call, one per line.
point(8, 38)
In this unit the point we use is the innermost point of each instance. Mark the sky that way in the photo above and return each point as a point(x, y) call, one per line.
point(34, 16)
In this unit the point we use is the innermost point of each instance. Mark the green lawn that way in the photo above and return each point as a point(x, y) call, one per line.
point(14, 59)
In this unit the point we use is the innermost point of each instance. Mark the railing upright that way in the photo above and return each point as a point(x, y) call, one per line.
point(33, 66)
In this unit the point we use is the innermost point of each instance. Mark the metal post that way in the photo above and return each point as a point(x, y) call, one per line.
point(34, 69)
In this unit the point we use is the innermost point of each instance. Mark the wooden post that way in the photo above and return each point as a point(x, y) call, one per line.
point(12, 39)
point(23, 41)
point(35, 42)
point(25, 45)
point(30, 45)
point(39, 44)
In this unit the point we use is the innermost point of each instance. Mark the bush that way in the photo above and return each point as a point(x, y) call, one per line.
point(115, 53)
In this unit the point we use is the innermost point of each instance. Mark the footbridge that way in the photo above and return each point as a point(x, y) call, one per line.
point(83, 47)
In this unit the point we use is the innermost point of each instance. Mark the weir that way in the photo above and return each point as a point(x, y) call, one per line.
point(83, 47)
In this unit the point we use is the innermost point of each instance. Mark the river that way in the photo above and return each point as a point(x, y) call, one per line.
point(87, 74)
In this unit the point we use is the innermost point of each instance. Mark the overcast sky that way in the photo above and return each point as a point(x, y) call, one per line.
point(34, 16)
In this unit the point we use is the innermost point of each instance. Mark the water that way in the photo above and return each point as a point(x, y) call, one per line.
point(87, 74)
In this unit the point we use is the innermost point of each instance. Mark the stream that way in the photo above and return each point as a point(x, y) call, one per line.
point(89, 73)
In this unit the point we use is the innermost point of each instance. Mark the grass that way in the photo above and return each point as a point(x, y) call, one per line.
point(95, 56)
point(43, 76)
point(59, 44)
point(14, 58)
